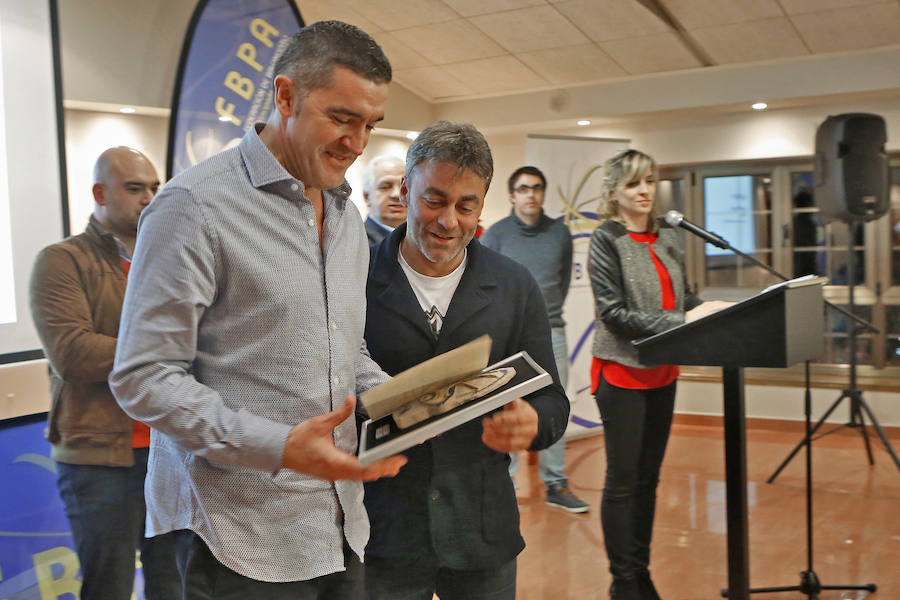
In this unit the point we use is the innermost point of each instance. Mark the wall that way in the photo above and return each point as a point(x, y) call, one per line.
point(673, 139)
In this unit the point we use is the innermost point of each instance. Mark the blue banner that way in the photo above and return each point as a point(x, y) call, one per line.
point(37, 559)
point(224, 77)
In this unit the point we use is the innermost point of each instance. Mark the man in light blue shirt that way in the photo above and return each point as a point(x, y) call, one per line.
point(241, 342)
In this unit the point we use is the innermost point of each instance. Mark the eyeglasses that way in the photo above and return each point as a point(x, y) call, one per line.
point(523, 189)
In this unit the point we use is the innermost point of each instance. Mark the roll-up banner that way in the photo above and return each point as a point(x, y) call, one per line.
point(37, 556)
point(223, 85)
point(573, 167)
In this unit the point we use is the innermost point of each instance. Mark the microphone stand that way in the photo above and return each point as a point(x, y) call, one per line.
point(809, 581)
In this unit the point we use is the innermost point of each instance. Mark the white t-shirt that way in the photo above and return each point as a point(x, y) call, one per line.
point(434, 293)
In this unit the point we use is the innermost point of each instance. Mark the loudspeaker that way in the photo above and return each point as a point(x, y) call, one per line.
point(851, 168)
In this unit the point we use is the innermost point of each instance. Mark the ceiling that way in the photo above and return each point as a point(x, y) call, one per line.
point(453, 50)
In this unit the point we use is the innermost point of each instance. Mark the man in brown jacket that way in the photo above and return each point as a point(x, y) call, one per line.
point(77, 287)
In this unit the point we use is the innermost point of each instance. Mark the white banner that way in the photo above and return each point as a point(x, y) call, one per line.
point(574, 170)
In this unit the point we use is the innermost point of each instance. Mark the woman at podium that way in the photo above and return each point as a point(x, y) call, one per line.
point(637, 273)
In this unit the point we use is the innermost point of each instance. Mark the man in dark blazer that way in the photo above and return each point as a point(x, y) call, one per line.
point(449, 522)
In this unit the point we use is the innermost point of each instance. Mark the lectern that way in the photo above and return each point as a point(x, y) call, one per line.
point(776, 328)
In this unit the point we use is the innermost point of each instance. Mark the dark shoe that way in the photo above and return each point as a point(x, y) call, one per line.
point(625, 589)
point(561, 496)
point(647, 588)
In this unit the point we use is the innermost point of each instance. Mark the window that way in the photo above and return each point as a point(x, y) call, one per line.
point(767, 209)
point(738, 208)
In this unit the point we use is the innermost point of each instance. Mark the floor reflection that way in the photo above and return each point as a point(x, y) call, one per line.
point(856, 520)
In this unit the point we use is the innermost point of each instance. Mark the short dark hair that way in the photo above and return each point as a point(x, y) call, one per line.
point(457, 143)
point(526, 170)
point(313, 52)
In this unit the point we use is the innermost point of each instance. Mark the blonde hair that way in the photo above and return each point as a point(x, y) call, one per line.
point(626, 166)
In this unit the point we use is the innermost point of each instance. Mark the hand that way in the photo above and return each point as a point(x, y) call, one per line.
point(310, 449)
point(511, 429)
point(707, 308)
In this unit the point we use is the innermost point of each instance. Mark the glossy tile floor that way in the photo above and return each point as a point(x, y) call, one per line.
point(856, 519)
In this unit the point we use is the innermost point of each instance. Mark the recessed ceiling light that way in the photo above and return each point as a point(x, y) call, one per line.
point(759, 106)
point(583, 122)
point(127, 110)
point(411, 135)
point(224, 118)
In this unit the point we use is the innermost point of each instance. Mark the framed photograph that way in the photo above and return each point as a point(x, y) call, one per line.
point(443, 407)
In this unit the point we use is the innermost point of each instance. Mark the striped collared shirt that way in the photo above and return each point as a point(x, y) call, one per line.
point(236, 327)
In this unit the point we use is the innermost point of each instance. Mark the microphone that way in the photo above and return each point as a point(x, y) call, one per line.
point(676, 219)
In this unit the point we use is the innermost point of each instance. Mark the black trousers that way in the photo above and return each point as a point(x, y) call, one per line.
point(205, 578)
point(636, 426)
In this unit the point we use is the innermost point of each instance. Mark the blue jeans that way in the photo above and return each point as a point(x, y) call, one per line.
point(106, 511)
point(205, 578)
point(420, 578)
point(636, 425)
point(552, 460)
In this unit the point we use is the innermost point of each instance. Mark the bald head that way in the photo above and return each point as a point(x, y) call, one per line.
point(124, 183)
point(117, 158)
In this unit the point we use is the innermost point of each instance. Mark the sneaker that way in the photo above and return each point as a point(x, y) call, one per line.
point(562, 497)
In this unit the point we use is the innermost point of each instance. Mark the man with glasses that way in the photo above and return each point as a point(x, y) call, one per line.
point(544, 247)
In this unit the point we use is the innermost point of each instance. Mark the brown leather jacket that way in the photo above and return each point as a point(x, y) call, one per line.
point(77, 288)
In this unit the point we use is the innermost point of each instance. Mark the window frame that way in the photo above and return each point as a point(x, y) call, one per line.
point(875, 290)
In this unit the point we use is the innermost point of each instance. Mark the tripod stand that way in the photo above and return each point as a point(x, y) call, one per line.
point(852, 393)
point(809, 581)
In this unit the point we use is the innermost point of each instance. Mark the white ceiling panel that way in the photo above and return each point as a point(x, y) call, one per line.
point(449, 42)
point(850, 28)
point(693, 14)
point(391, 15)
point(651, 54)
point(756, 40)
point(433, 82)
point(605, 20)
point(340, 10)
point(492, 75)
point(470, 8)
point(796, 7)
point(572, 64)
point(530, 29)
point(400, 55)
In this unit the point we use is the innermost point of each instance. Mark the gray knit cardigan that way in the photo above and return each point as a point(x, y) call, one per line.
point(627, 294)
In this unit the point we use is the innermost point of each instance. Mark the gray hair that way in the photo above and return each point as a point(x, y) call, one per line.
point(372, 168)
point(626, 166)
point(313, 52)
point(457, 143)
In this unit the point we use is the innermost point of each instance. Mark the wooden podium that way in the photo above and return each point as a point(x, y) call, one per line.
point(776, 328)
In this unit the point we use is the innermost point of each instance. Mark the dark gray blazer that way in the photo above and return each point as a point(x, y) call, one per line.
point(375, 232)
point(627, 294)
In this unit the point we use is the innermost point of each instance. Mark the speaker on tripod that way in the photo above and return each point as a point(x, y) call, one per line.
point(851, 185)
